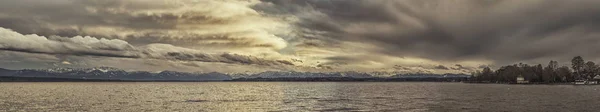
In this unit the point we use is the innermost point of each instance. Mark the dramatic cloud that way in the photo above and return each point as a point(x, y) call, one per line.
point(428, 36)
point(503, 31)
point(13, 41)
point(203, 23)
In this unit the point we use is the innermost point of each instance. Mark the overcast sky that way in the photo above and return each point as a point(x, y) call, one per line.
point(430, 36)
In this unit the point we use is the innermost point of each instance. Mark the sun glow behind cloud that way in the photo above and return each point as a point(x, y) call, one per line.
point(438, 36)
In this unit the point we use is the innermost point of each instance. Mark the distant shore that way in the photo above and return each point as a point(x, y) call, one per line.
point(322, 79)
point(312, 79)
point(349, 79)
point(534, 83)
point(53, 79)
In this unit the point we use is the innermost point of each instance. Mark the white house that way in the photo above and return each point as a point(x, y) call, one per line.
point(521, 80)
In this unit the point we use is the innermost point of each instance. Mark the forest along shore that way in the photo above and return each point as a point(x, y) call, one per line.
point(580, 72)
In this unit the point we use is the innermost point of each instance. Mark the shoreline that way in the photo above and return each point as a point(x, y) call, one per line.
point(567, 83)
point(424, 80)
point(320, 79)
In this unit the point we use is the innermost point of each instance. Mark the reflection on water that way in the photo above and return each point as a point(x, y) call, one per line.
point(295, 96)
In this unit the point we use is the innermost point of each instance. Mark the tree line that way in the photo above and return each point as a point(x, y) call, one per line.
point(552, 73)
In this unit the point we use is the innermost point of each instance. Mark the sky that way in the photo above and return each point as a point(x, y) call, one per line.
point(242, 36)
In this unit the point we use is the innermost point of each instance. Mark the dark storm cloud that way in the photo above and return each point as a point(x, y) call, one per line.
point(462, 68)
point(503, 31)
point(442, 67)
point(34, 16)
point(332, 34)
point(98, 13)
point(223, 58)
point(90, 46)
point(181, 22)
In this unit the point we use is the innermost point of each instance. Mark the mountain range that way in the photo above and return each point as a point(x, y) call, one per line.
point(109, 73)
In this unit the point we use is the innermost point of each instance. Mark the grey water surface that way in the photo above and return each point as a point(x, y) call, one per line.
point(294, 96)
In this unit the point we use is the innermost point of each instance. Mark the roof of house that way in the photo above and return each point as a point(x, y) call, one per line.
point(597, 77)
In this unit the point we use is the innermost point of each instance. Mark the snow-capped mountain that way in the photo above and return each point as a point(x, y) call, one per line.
point(112, 73)
point(118, 74)
point(293, 74)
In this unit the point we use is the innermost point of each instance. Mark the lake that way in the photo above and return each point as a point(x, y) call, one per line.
point(294, 96)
